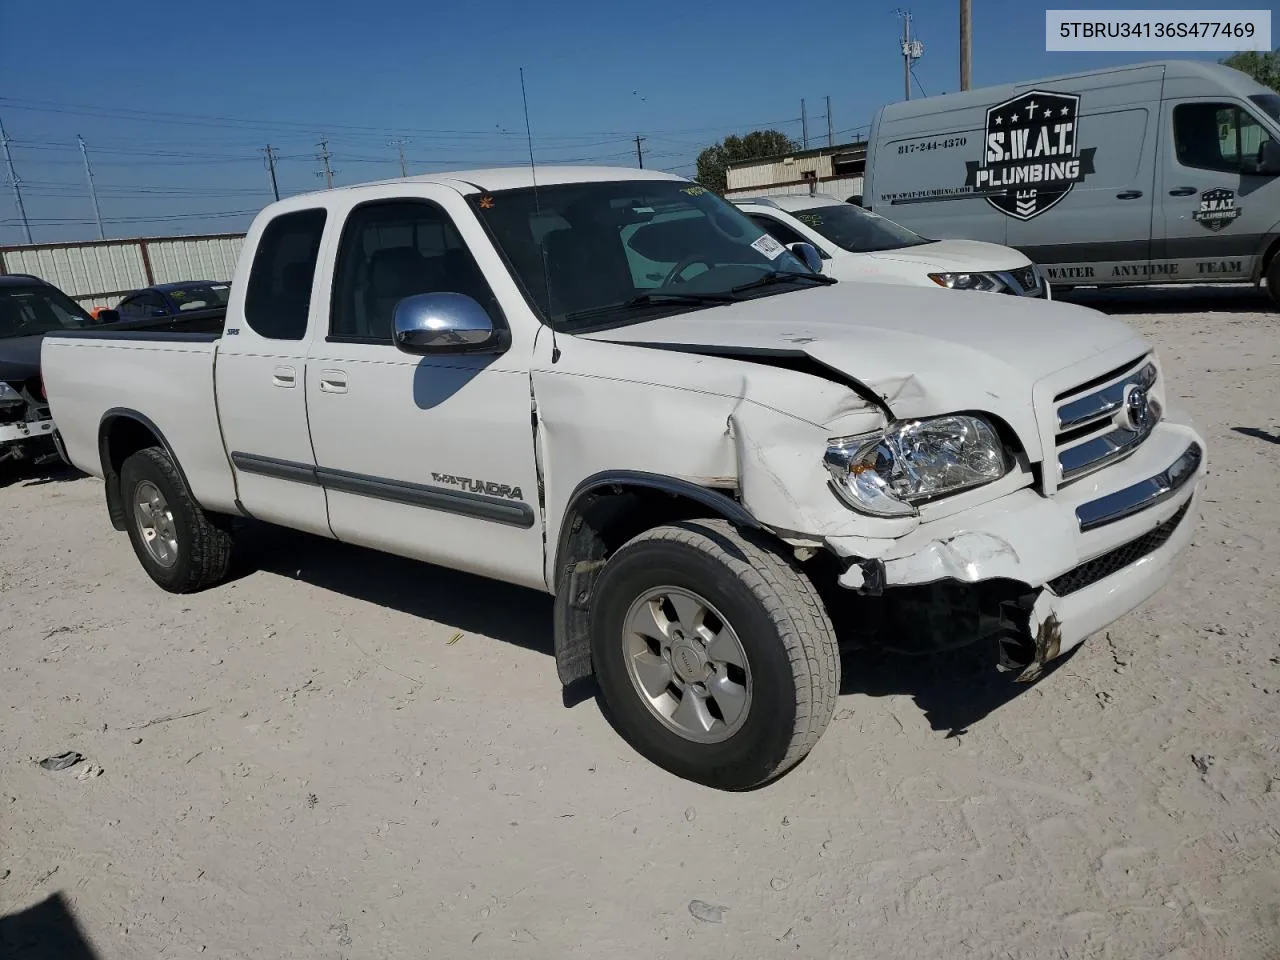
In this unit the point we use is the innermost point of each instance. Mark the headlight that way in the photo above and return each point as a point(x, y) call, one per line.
point(887, 473)
point(985, 282)
point(9, 397)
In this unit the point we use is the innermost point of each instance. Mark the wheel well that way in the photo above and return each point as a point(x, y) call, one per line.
point(1269, 256)
point(603, 515)
point(119, 438)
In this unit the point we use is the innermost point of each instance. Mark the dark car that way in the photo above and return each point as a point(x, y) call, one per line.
point(173, 299)
point(30, 308)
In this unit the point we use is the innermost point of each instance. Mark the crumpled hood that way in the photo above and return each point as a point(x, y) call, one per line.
point(957, 256)
point(20, 358)
point(922, 352)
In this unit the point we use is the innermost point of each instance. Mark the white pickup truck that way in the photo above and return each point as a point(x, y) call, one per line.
point(612, 386)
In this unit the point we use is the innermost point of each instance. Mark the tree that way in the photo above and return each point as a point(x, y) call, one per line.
point(713, 162)
point(1263, 67)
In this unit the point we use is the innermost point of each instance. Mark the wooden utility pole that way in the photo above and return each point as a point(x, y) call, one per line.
point(324, 158)
point(966, 43)
point(639, 154)
point(271, 168)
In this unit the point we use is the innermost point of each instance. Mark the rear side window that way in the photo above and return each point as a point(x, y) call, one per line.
point(278, 296)
point(396, 249)
point(1217, 136)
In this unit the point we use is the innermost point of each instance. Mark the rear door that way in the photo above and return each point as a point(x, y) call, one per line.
point(1093, 225)
point(1215, 208)
point(260, 371)
point(428, 457)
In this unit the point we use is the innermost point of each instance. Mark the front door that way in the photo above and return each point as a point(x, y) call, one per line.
point(1216, 209)
point(259, 374)
point(426, 457)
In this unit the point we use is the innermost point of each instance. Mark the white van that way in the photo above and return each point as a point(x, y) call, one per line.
point(855, 244)
point(1155, 173)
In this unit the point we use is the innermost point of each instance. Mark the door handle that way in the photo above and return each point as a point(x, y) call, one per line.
point(1182, 191)
point(1128, 194)
point(283, 377)
point(333, 381)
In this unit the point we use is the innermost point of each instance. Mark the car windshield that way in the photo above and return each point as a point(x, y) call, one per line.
point(30, 310)
point(603, 254)
point(204, 296)
point(1269, 102)
point(857, 230)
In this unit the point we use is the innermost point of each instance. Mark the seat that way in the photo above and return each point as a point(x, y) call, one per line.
point(583, 272)
point(394, 273)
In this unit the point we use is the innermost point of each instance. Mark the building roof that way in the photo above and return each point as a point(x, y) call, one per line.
point(858, 148)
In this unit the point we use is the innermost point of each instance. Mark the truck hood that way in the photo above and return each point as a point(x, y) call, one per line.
point(921, 352)
point(20, 358)
point(956, 256)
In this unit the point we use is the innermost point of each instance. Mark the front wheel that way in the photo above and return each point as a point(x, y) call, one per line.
point(714, 655)
point(182, 548)
point(1273, 280)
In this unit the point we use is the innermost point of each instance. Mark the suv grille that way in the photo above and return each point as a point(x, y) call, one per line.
point(1105, 419)
point(1087, 574)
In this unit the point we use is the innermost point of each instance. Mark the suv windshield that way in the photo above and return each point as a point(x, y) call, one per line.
point(30, 310)
point(857, 230)
point(202, 296)
point(593, 254)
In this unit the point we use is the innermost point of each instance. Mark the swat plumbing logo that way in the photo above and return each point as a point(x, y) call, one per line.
point(1217, 209)
point(1031, 158)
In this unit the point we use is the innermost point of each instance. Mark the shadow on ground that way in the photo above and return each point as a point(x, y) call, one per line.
point(955, 690)
point(1257, 434)
point(28, 474)
point(47, 931)
point(465, 602)
point(1227, 298)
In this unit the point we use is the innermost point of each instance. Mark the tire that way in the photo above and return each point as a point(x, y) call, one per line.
point(1273, 280)
point(198, 551)
point(791, 673)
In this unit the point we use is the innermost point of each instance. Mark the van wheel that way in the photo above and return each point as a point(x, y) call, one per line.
point(714, 655)
point(182, 548)
point(1273, 279)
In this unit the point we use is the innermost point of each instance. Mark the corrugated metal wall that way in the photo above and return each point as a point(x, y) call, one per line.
point(100, 273)
point(841, 187)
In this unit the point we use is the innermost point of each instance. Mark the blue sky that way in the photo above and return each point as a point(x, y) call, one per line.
point(176, 100)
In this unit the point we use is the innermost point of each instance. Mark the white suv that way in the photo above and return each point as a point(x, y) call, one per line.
point(856, 244)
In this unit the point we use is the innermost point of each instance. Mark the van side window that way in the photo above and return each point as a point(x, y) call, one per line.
point(278, 297)
point(396, 249)
point(1217, 136)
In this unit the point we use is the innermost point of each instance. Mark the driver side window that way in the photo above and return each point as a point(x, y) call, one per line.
point(1217, 136)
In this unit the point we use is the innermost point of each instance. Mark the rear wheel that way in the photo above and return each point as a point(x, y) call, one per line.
point(182, 548)
point(714, 655)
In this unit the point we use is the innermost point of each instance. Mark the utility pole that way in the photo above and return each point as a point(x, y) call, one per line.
point(271, 168)
point(831, 137)
point(398, 143)
point(966, 43)
point(324, 158)
point(17, 184)
point(93, 193)
point(804, 126)
point(912, 50)
point(639, 153)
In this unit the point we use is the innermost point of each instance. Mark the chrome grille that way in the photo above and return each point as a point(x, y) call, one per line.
point(1105, 419)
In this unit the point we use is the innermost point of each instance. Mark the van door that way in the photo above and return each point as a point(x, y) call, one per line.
point(1100, 231)
point(1216, 209)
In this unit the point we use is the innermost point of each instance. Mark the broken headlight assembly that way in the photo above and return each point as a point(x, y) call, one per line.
point(9, 397)
point(986, 282)
point(888, 473)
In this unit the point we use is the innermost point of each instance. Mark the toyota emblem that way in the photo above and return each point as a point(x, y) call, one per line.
point(1137, 409)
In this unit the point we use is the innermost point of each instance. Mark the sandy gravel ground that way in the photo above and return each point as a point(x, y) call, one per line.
point(378, 763)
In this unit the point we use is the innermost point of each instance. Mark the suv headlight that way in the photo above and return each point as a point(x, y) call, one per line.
point(888, 473)
point(986, 282)
point(9, 397)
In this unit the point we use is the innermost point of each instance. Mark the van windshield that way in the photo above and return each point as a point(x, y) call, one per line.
point(610, 253)
point(1270, 102)
point(857, 230)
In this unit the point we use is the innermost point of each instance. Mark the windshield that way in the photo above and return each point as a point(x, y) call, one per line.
point(1270, 102)
point(27, 311)
point(201, 296)
point(619, 252)
point(857, 230)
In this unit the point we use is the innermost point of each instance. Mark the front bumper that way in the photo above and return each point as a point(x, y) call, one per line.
point(25, 430)
point(1092, 552)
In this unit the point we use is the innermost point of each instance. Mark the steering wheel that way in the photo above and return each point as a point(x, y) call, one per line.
point(673, 275)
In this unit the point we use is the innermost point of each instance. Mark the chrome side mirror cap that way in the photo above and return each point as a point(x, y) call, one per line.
point(428, 323)
point(808, 255)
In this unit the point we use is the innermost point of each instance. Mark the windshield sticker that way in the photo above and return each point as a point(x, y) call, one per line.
point(1217, 209)
point(1031, 158)
point(177, 294)
point(770, 247)
point(812, 219)
point(486, 203)
point(694, 191)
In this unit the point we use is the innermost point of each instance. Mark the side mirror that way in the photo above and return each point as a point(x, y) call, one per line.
point(1269, 158)
point(808, 255)
point(107, 315)
point(446, 323)
point(856, 200)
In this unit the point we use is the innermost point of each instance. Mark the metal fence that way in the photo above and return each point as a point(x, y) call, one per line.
point(98, 273)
